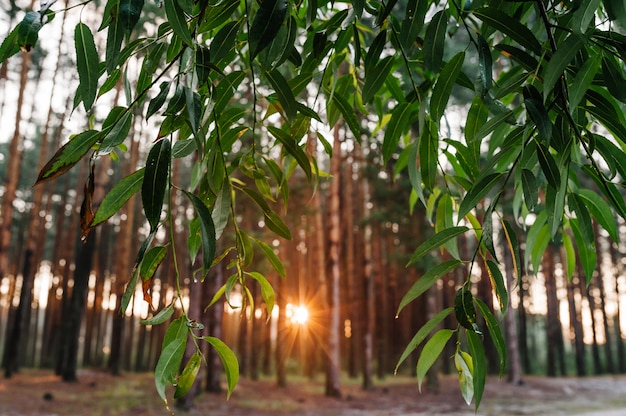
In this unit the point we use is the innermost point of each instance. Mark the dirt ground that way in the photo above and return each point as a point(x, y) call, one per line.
point(40, 393)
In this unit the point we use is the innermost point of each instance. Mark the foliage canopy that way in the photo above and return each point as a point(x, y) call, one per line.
point(243, 85)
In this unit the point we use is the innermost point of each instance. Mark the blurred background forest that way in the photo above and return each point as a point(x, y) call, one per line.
point(556, 325)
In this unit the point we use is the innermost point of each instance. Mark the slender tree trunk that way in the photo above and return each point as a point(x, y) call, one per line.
point(350, 286)
point(11, 180)
point(122, 270)
point(523, 326)
point(595, 349)
point(621, 352)
point(576, 326)
point(514, 372)
point(76, 309)
point(334, 324)
point(215, 329)
point(281, 338)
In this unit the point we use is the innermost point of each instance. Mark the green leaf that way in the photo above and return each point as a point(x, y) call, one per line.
point(478, 192)
point(421, 335)
point(167, 367)
point(479, 366)
point(565, 53)
point(115, 199)
point(413, 22)
point(426, 281)
point(156, 180)
point(436, 241)
point(443, 87)
point(267, 291)
point(129, 13)
point(129, 291)
point(429, 156)
point(511, 238)
point(115, 36)
point(583, 80)
point(495, 332)
point(548, 166)
point(157, 102)
point(178, 21)
point(613, 78)
point(530, 189)
point(271, 257)
point(434, 41)
point(188, 375)
point(161, 317)
point(538, 113)
point(576, 204)
point(375, 78)
point(120, 124)
point(207, 229)
point(348, 114)
point(400, 118)
point(229, 361)
point(221, 209)
point(284, 93)
point(584, 14)
point(586, 251)
point(432, 350)
point(87, 64)
point(600, 210)
point(10, 45)
point(266, 24)
point(132, 284)
point(499, 287)
point(224, 41)
point(68, 155)
point(272, 220)
point(151, 261)
point(509, 26)
point(485, 63)
point(464, 366)
point(464, 309)
point(493, 123)
point(476, 118)
point(293, 149)
point(570, 256)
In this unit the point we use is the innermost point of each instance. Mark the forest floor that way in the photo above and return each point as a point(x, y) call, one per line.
point(37, 392)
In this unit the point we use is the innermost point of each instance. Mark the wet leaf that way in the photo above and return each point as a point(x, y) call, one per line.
point(464, 308)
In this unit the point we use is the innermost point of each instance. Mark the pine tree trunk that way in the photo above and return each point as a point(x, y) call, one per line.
point(514, 371)
point(523, 326)
point(73, 319)
point(595, 349)
point(215, 329)
point(576, 327)
point(15, 154)
point(334, 324)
